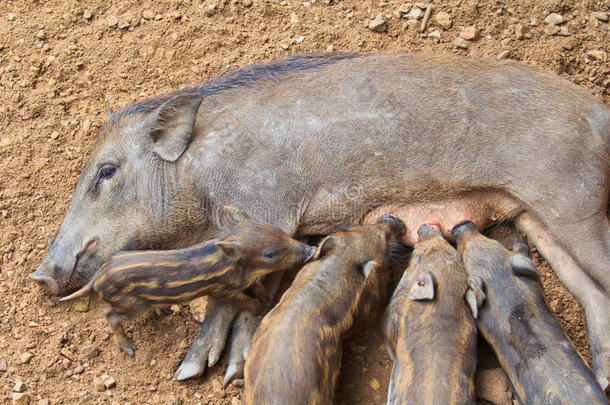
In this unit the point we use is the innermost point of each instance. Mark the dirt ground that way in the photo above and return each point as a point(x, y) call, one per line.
point(63, 63)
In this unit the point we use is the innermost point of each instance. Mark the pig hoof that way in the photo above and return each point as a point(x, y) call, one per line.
point(129, 348)
point(189, 370)
point(234, 371)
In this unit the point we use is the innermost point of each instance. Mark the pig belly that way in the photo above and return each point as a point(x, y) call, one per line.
point(484, 208)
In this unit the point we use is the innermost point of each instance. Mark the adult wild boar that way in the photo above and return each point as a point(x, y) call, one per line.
point(315, 141)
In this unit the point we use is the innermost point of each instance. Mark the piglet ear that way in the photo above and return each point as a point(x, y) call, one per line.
point(327, 245)
point(231, 249)
point(171, 125)
point(423, 288)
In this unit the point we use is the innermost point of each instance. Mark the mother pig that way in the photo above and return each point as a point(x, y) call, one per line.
point(315, 141)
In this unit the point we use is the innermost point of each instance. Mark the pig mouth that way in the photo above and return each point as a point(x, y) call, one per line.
point(89, 248)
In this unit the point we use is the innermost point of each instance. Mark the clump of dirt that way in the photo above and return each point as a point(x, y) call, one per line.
point(63, 63)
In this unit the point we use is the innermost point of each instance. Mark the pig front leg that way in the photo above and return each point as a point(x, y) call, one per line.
point(589, 294)
point(210, 341)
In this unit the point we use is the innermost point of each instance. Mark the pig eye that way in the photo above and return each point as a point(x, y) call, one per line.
point(106, 173)
point(270, 253)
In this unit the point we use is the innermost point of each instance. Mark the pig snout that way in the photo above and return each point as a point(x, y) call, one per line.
point(307, 253)
point(45, 277)
point(62, 271)
point(397, 227)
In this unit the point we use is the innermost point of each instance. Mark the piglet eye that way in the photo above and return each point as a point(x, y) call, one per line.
point(106, 173)
point(270, 253)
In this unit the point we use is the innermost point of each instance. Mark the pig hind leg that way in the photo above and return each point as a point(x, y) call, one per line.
point(120, 337)
point(591, 296)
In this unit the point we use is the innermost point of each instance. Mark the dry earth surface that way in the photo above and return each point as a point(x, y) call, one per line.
point(63, 63)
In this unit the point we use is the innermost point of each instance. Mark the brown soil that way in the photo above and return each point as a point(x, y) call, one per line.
point(62, 65)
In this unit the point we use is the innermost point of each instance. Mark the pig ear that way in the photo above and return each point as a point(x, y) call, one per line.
point(475, 295)
point(423, 288)
point(523, 267)
point(326, 246)
point(233, 215)
point(172, 125)
point(231, 249)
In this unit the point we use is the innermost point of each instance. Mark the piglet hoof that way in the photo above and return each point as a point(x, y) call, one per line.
point(210, 341)
point(128, 347)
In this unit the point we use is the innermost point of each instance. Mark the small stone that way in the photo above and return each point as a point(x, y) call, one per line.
point(416, 13)
point(98, 384)
point(26, 357)
point(20, 398)
point(87, 14)
point(211, 10)
point(54, 135)
point(19, 386)
point(79, 369)
point(554, 19)
point(11, 17)
point(330, 48)
point(299, 39)
point(563, 31)
point(148, 14)
point(3, 365)
point(601, 56)
point(108, 381)
point(378, 24)
point(444, 20)
point(124, 25)
point(461, 43)
point(198, 305)
point(82, 304)
point(519, 34)
point(284, 45)
point(469, 33)
point(42, 35)
point(436, 35)
point(404, 9)
point(294, 19)
point(112, 21)
point(90, 351)
point(600, 15)
point(551, 30)
point(492, 386)
point(504, 54)
point(246, 3)
point(175, 308)
point(44, 401)
point(374, 383)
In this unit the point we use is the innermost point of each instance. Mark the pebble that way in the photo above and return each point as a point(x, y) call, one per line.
point(246, 3)
point(416, 13)
point(554, 19)
point(98, 384)
point(551, 29)
point(563, 31)
point(378, 24)
point(20, 398)
point(54, 135)
point(175, 308)
point(108, 381)
point(148, 14)
point(11, 16)
point(90, 351)
point(436, 35)
point(374, 383)
point(44, 401)
point(599, 55)
point(3, 365)
point(600, 15)
point(19, 386)
point(87, 14)
point(461, 43)
point(443, 19)
point(519, 34)
point(492, 386)
point(26, 357)
point(124, 25)
point(469, 33)
point(42, 35)
point(112, 21)
point(79, 369)
point(504, 54)
point(197, 308)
